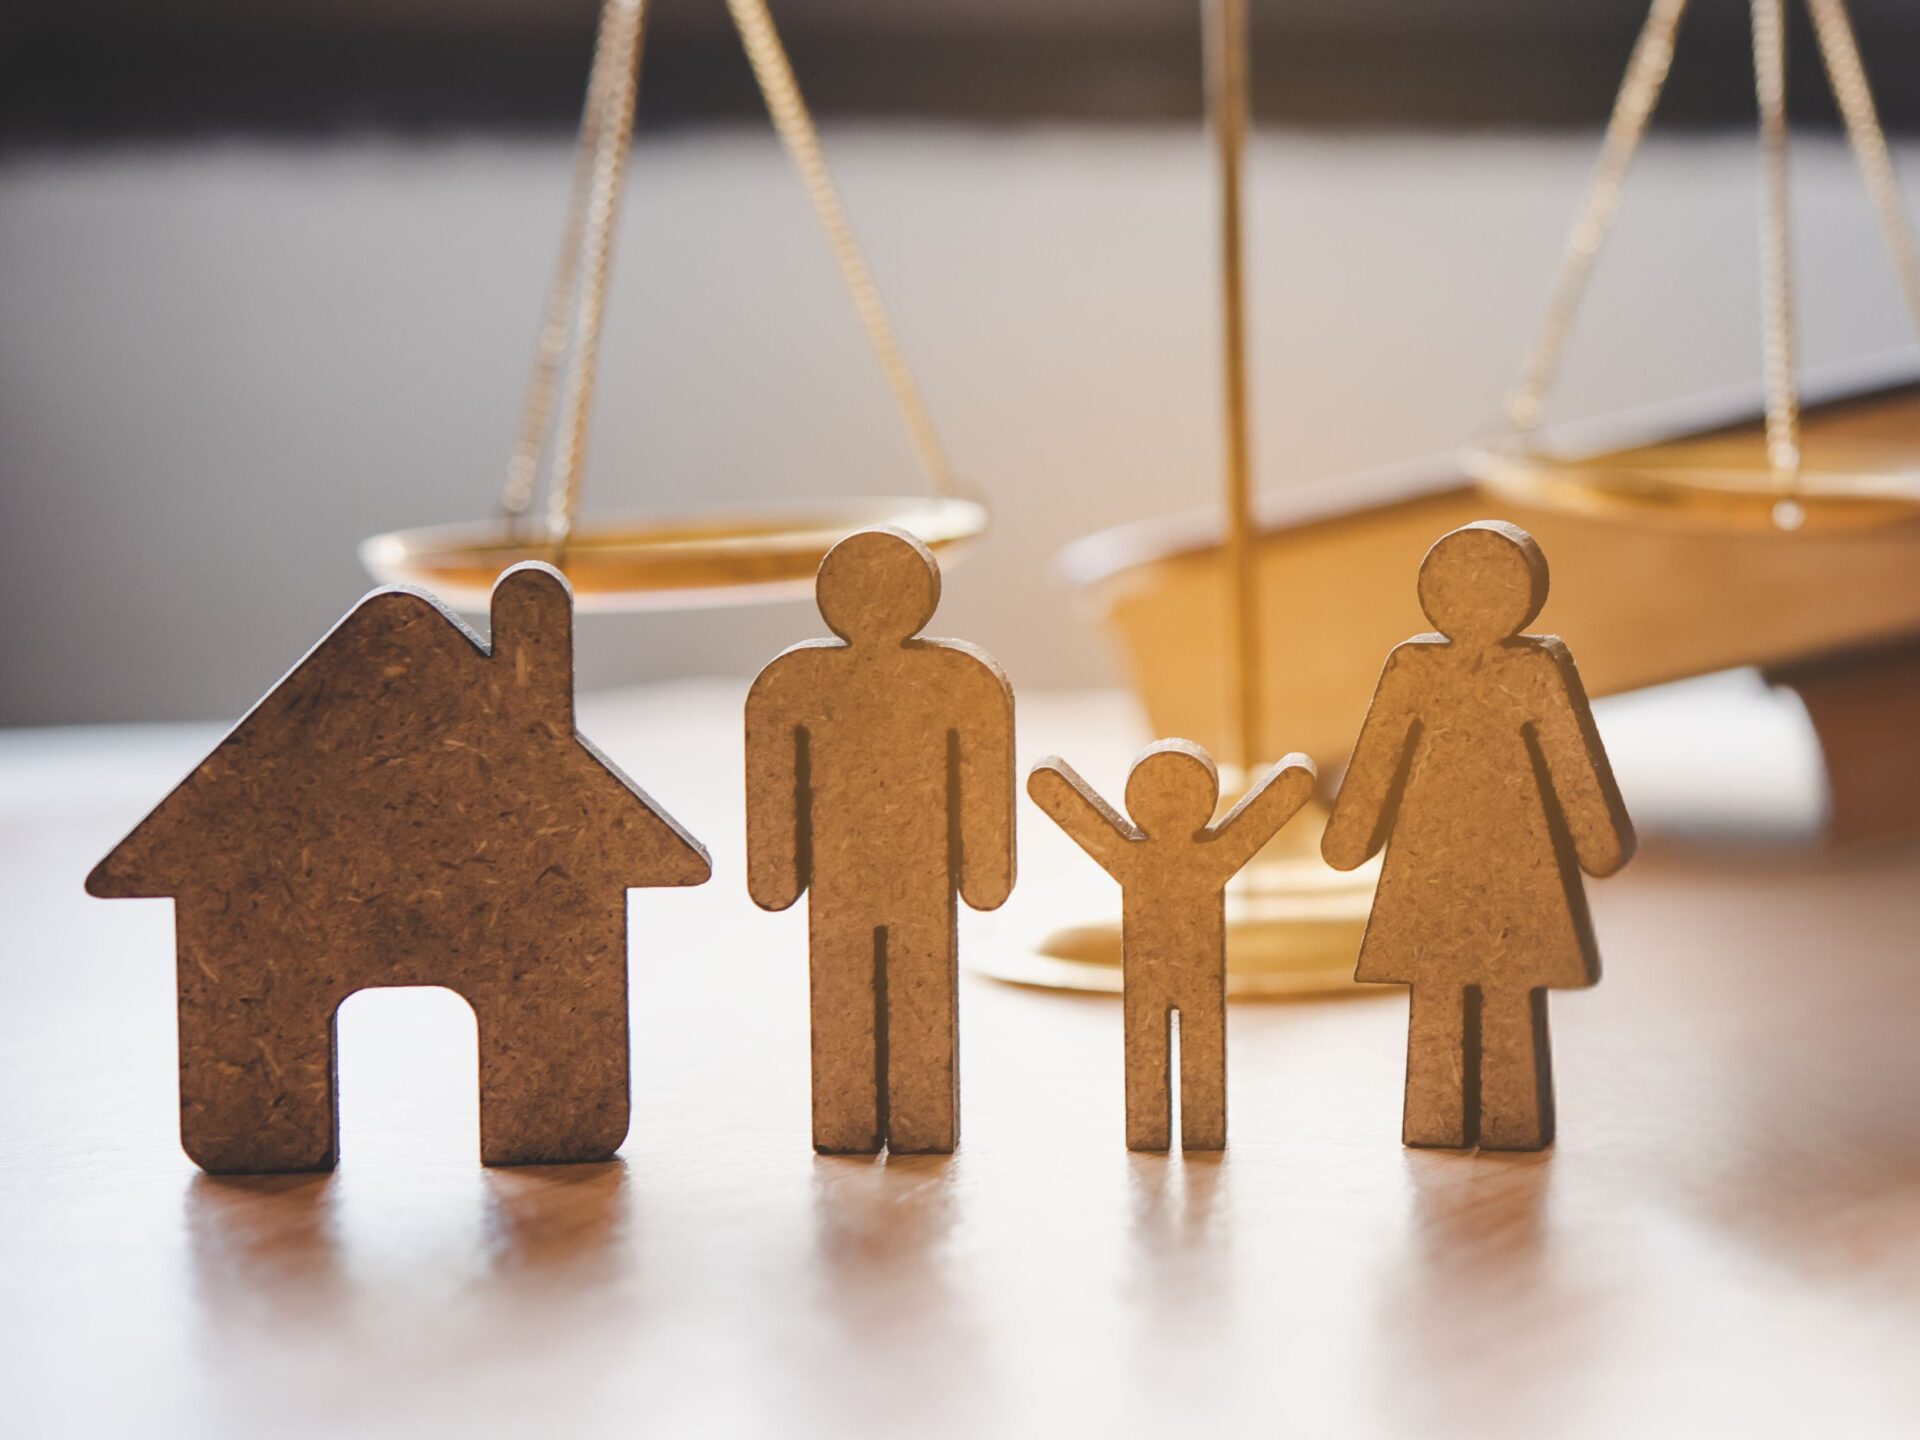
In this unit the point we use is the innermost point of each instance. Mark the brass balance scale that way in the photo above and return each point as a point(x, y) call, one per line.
point(673, 562)
point(1729, 519)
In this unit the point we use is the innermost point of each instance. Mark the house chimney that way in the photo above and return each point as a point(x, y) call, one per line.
point(533, 643)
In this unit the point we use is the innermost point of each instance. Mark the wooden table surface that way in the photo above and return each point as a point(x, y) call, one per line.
point(1725, 1241)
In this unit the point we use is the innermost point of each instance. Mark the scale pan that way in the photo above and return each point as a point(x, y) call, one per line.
point(725, 557)
point(1860, 466)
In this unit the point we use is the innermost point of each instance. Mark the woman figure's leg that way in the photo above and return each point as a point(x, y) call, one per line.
point(1437, 1099)
point(1516, 1071)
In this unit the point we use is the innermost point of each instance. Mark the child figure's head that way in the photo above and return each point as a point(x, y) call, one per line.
point(1172, 788)
point(1483, 582)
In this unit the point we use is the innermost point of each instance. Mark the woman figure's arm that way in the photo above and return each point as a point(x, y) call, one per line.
point(1369, 796)
point(1577, 768)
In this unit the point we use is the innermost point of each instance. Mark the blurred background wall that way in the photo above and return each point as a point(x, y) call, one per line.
point(115, 66)
point(269, 278)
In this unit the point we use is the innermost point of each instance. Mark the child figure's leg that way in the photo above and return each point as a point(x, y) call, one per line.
point(1516, 1071)
point(1149, 1093)
point(1437, 1099)
point(1203, 1073)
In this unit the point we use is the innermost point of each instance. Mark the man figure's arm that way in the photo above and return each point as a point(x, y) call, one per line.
point(776, 809)
point(983, 728)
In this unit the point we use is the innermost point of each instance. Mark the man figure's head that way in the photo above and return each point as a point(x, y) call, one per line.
point(877, 587)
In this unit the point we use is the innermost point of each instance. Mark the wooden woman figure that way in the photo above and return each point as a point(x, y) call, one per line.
point(1480, 771)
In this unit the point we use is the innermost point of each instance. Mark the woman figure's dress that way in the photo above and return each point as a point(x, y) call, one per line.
point(1480, 884)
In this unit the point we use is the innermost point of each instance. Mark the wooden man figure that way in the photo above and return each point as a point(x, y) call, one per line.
point(1173, 867)
point(1480, 771)
point(880, 779)
point(408, 806)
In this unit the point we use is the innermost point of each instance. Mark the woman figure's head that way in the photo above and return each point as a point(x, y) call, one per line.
point(1483, 583)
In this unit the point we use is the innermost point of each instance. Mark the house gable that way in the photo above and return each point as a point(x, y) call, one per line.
point(401, 734)
point(399, 628)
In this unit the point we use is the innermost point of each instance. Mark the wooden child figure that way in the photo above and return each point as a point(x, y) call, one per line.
point(880, 778)
point(1173, 867)
point(1480, 771)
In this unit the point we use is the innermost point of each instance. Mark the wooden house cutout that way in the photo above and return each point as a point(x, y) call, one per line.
point(408, 806)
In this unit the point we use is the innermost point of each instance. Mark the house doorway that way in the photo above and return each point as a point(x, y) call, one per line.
point(407, 1058)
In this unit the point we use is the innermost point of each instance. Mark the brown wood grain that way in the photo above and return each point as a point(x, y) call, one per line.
point(1480, 772)
point(1173, 864)
point(407, 807)
point(880, 783)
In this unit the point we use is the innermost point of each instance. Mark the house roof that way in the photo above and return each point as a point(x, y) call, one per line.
point(401, 728)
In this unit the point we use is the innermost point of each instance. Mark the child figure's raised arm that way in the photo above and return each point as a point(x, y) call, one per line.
point(1363, 811)
point(1095, 826)
point(1261, 812)
point(1583, 782)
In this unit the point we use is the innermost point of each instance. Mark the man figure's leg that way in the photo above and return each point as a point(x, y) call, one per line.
point(922, 1046)
point(848, 1048)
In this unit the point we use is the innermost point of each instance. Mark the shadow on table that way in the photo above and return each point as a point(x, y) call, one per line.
point(271, 1235)
point(888, 1281)
point(1172, 1200)
point(1179, 1242)
point(555, 1217)
point(1478, 1302)
point(883, 1220)
point(264, 1229)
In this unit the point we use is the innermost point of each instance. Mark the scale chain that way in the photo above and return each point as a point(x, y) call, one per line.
point(577, 300)
point(1633, 108)
point(1639, 94)
point(773, 72)
point(603, 208)
point(556, 328)
point(1776, 244)
point(1841, 55)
